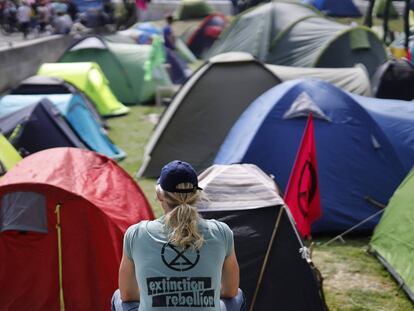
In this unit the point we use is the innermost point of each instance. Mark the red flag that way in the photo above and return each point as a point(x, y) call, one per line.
point(302, 192)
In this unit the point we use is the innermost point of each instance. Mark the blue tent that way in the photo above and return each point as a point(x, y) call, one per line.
point(77, 114)
point(355, 157)
point(340, 8)
point(396, 119)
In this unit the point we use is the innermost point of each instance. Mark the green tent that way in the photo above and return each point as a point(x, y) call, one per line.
point(8, 155)
point(192, 9)
point(393, 239)
point(134, 71)
point(89, 78)
point(293, 34)
point(379, 8)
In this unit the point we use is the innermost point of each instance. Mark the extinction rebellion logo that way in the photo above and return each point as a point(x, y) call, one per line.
point(180, 291)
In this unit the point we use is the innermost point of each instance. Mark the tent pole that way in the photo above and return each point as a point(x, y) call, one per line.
point(265, 260)
point(339, 237)
point(59, 236)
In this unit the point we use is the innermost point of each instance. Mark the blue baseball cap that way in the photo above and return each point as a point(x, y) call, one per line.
point(175, 173)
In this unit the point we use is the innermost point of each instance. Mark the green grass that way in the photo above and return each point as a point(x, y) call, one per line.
point(353, 279)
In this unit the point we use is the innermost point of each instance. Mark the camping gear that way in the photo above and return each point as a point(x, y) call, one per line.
point(193, 9)
point(274, 264)
point(89, 78)
point(206, 33)
point(394, 80)
point(293, 34)
point(64, 212)
point(133, 71)
point(76, 113)
point(349, 144)
point(8, 155)
point(37, 127)
point(341, 8)
point(53, 85)
point(203, 111)
point(392, 242)
point(354, 80)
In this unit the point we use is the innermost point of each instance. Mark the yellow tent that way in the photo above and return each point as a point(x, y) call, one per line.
point(8, 155)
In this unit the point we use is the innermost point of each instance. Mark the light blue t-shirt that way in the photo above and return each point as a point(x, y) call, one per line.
point(173, 278)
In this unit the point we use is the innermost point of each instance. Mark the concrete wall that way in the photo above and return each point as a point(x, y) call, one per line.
point(22, 60)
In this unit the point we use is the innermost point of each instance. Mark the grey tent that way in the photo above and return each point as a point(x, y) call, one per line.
point(354, 79)
point(205, 108)
point(245, 198)
point(293, 34)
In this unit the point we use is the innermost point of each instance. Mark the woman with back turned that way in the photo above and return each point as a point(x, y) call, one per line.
point(179, 261)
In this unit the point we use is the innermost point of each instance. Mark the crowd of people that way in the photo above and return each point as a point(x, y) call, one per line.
point(49, 16)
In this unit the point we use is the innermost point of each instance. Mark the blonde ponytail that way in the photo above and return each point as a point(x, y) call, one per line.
point(182, 221)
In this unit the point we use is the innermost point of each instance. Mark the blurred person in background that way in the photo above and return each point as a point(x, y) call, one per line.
point(24, 15)
point(169, 38)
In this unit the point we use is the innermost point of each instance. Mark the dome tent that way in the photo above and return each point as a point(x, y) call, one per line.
point(353, 79)
point(392, 242)
point(245, 198)
point(76, 113)
point(8, 155)
point(89, 78)
point(342, 8)
point(133, 71)
point(93, 201)
point(293, 34)
point(216, 94)
point(53, 85)
point(352, 149)
point(37, 127)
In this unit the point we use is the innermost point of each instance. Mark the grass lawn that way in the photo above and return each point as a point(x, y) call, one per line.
point(353, 279)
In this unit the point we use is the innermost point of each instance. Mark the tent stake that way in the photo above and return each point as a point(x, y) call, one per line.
point(59, 236)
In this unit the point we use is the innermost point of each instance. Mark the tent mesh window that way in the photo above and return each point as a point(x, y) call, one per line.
point(23, 211)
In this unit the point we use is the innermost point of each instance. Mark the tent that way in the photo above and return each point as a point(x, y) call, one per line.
point(133, 71)
point(341, 8)
point(37, 127)
point(245, 198)
point(89, 78)
point(354, 80)
point(393, 238)
point(293, 34)
point(379, 8)
point(396, 120)
point(202, 112)
point(394, 80)
point(352, 149)
point(53, 85)
point(64, 212)
point(192, 9)
point(76, 113)
point(8, 155)
point(146, 33)
point(206, 33)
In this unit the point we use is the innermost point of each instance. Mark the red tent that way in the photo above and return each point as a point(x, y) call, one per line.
point(63, 213)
